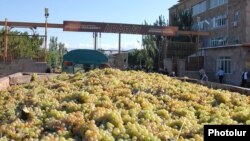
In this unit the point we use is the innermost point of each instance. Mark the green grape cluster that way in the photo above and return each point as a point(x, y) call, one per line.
point(117, 105)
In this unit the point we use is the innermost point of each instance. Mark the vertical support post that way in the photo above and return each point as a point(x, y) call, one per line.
point(198, 56)
point(165, 46)
point(119, 43)
point(100, 40)
point(197, 48)
point(95, 39)
point(5, 40)
point(46, 25)
point(46, 10)
point(198, 41)
point(160, 49)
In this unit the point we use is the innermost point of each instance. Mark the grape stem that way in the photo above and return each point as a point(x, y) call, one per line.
point(181, 128)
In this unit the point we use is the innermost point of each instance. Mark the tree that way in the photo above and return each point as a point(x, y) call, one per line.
point(22, 45)
point(134, 58)
point(153, 46)
point(184, 21)
point(52, 53)
point(56, 52)
point(150, 53)
point(61, 51)
point(159, 40)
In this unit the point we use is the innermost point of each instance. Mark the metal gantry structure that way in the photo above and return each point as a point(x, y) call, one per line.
point(98, 27)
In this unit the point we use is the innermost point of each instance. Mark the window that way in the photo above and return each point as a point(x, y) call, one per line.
point(199, 8)
point(220, 41)
point(219, 21)
point(186, 11)
point(236, 39)
point(202, 25)
point(237, 16)
point(216, 3)
point(224, 62)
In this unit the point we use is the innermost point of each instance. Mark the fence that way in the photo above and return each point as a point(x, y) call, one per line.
point(180, 50)
point(194, 63)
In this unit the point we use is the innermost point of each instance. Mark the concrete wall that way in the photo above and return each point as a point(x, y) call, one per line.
point(239, 60)
point(244, 91)
point(4, 83)
point(119, 61)
point(247, 20)
point(22, 65)
point(168, 64)
point(192, 74)
point(181, 67)
point(22, 78)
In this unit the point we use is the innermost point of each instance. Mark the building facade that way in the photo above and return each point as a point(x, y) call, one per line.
point(228, 23)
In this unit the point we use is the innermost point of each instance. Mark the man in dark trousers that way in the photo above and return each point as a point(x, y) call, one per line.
point(244, 77)
point(220, 74)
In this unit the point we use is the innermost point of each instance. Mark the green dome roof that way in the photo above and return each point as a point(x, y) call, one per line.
point(85, 56)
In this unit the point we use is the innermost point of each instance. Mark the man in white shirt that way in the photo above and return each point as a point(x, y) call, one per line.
point(244, 77)
point(220, 74)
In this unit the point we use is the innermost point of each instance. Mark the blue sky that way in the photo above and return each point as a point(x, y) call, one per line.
point(113, 11)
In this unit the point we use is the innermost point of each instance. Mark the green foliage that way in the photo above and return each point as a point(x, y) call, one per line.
point(151, 52)
point(184, 21)
point(153, 46)
point(56, 52)
point(135, 58)
point(21, 45)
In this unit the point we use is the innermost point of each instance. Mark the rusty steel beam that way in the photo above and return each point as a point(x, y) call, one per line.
point(119, 28)
point(54, 25)
point(195, 33)
point(29, 24)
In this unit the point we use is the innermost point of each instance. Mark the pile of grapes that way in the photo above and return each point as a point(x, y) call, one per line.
point(111, 105)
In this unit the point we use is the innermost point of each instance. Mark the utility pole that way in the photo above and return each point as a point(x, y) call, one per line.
point(95, 40)
point(5, 41)
point(46, 10)
point(140, 52)
point(119, 44)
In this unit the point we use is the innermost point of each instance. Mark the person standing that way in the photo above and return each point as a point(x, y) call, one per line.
point(244, 78)
point(173, 74)
point(203, 75)
point(220, 74)
point(201, 71)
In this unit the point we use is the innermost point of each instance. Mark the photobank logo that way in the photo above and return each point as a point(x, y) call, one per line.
point(226, 132)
